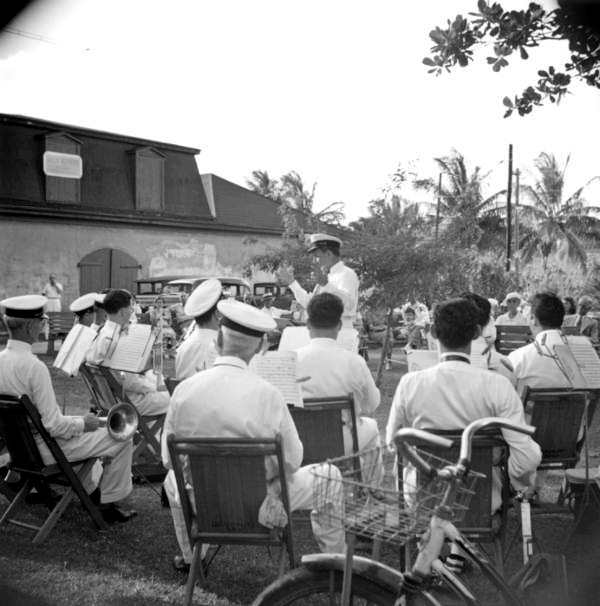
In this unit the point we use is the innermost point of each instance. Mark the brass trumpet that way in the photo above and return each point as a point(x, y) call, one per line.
point(122, 421)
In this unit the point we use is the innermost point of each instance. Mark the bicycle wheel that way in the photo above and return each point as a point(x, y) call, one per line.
point(305, 587)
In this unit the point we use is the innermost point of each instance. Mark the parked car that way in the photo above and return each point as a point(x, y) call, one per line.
point(282, 297)
point(149, 289)
point(232, 287)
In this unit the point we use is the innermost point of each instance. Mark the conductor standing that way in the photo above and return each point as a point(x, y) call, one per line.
point(333, 276)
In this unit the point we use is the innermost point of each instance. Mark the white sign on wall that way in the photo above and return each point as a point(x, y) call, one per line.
point(57, 164)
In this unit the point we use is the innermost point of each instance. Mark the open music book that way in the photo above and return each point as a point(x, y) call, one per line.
point(295, 337)
point(419, 359)
point(579, 358)
point(133, 350)
point(72, 352)
point(280, 369)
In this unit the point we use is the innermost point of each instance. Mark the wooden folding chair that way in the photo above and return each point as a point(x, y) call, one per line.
point(228, 477)
point(320, 427)
point(489, 455)
point(17, 415)
point(509, 338)
point(146, 458)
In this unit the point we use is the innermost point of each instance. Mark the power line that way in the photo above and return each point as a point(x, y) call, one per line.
point(19, 32)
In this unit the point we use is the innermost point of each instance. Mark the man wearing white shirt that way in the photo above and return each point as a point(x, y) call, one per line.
point(198, 350)
point(53, 292)
point(141, 389)
point(513, 317)
point(336, 277)
point(534, 364)
point(335, 371)
point(79, 437)
point(453, 393)
point(229, 400)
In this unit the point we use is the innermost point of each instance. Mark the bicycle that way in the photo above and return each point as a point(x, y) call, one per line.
point(428, 509)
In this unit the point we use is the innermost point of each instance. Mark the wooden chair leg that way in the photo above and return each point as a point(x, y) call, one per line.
point(499, 555)
point(281, 565)
point(195, 566)
point(16, 502)
point(53, 518)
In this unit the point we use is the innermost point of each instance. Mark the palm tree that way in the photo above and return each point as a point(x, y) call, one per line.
point(463, 208)
point(557, 226)
point(261, 183)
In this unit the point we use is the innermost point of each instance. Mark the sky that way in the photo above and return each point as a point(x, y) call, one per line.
point(334, 89)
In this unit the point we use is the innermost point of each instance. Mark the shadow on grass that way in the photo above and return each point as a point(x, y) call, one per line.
point(12, 596)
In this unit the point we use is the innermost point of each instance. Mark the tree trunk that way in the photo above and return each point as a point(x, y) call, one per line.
point(386, 340)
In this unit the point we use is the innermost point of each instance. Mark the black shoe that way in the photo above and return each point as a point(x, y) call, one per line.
point(95, 496)
point(180, 565)
point(111, 513)
point(50, 499)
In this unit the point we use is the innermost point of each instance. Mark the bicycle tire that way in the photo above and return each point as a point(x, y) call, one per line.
point(304, 587)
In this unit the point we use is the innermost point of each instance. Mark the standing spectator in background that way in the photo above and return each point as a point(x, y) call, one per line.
point(570, 308)
point(415, 337)
point(513, 316)
point(53, 292)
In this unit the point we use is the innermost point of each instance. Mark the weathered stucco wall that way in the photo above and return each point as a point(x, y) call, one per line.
point(30, 251)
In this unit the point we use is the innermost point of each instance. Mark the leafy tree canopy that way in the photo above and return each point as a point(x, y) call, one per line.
point(506, 32)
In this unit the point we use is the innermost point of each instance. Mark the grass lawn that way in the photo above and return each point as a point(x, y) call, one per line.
point(131, 563)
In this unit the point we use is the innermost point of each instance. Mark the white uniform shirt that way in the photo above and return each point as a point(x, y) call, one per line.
point(335, 371)
point(230, 401)
point(21, 372)
point(538, 369)
point(197, 352)
point(341, 281)
point(518, 320)
point(452, 394)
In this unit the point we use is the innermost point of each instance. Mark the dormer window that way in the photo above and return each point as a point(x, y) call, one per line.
point(149, 178)
point(63, 167)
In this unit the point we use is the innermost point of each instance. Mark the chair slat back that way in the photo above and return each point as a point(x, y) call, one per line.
point(320, 427)
point(509, 338)
point(16, 430)
point(229, 480)
point(489, 451)
point(557, 416)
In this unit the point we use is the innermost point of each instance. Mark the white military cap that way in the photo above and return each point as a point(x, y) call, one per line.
point(512, 295)
point(244, 318)
point(25, 306)
point(203, 297)
point(322, 241)
point(84, 303)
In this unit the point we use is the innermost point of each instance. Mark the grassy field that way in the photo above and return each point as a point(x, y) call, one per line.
point(131, 564)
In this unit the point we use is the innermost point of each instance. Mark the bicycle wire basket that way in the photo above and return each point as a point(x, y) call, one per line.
point(394, 512)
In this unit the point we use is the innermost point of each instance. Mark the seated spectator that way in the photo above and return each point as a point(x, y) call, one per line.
point(335, 371)
point(535, 364)
point(413, 332)
point(586, 326)
point(228, 400)
point(485, 344)
point(140, 388)
point(452, 394)
point(570, 307)
point(513, 316)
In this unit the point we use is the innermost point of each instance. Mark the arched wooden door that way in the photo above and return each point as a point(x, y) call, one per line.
point(107, 268)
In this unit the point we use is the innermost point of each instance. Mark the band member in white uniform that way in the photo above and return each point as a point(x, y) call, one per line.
point(198, 351)
point(335, 371)
point(79, 437)
point(228, 400)
point(84, 308)
point(336, 278)
point(141, 389)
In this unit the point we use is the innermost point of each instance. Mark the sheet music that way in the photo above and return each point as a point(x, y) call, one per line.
point(73, 349)
point(132, 352)
point(587, 359)
point(569, 366)
point(478, 358)
point(419, 359)
point(295, 337)
point(280, 369)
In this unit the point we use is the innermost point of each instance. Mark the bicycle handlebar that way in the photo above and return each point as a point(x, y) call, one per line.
point(406, 438)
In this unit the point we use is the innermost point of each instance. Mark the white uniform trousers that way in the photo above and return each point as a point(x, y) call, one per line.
point(327, 528)
point(151, 403)
point(114, 477)
point(371, 463)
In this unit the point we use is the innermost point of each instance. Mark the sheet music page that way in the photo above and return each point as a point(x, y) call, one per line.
point(478, 358)
point(569, 366)
point(72, 352)
point(419, 359)
point(280, 369)
point(133, 350)
point(586, 358)
point(348, 338)
point(293, 338)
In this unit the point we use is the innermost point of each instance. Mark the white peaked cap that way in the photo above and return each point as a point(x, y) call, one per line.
point(203, 297)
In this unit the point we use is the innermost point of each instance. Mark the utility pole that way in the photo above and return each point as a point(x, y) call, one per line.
point(437, 210)
point(517, 249)
point(509, 209)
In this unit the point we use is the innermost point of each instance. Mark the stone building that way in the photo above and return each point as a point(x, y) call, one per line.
point(100, 210)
